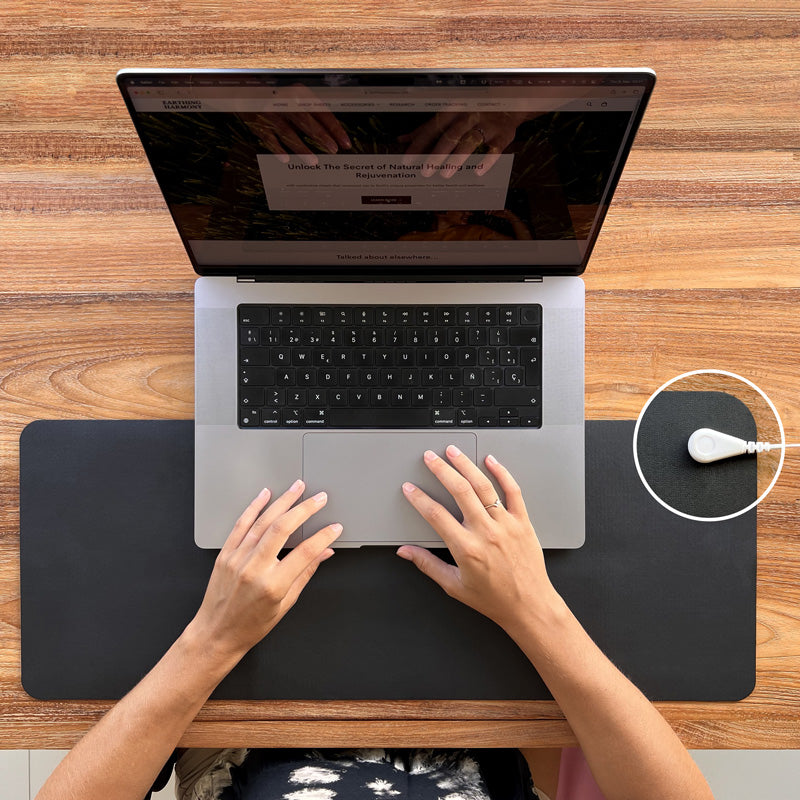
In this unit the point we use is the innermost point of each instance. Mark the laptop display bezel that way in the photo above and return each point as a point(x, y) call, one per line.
point(401, 77)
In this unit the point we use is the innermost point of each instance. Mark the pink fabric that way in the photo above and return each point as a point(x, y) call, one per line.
point(575, 781)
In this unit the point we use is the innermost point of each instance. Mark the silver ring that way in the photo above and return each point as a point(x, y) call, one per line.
point(496, 504)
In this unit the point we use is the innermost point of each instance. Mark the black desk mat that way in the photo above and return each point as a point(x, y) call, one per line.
point(110, 575)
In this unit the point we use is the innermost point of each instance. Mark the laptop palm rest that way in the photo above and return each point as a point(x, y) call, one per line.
point(363, 474)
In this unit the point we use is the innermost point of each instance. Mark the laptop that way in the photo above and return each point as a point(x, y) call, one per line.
point(389, 262)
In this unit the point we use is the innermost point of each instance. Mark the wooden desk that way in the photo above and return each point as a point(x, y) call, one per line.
point(697, 267)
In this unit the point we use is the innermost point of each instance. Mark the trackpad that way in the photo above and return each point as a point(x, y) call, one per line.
point(363, 474)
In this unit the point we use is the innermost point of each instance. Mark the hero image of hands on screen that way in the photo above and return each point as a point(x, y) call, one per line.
point(322, 174)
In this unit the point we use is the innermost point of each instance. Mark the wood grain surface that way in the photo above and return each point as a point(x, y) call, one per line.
point(698, 266)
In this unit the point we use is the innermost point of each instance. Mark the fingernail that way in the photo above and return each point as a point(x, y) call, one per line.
point(409, 488)
point(296, 485)
point(336, 527)
point(453, 451)
point(320, 497)
point(404, 554)
point(263, 492)
point(430, 456)
point(490, 459)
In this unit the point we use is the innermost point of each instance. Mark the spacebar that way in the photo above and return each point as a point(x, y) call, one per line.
point(379, 418)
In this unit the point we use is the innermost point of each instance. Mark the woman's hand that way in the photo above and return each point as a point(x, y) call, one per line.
point(500, 568)
point(250, 590)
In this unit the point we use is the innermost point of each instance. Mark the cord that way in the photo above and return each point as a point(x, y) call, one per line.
point(765, 447)
point(707, 445)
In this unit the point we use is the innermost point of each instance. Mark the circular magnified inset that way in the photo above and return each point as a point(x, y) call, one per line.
point(721, 401)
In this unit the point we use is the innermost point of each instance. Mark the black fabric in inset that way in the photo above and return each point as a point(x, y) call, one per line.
point(110, 575)
point(701, 490)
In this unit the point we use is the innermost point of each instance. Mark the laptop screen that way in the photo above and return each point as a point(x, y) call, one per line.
point(387, 173)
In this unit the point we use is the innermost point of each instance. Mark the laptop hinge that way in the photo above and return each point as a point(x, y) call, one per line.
point(240, 279)
point(532, 279)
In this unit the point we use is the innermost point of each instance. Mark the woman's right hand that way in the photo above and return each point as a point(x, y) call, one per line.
point(500, 569)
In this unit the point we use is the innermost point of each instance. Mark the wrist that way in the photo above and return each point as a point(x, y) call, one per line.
point(539, 624)
point(206, 652)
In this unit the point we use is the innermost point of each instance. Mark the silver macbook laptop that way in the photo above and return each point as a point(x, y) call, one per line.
point(389, 262)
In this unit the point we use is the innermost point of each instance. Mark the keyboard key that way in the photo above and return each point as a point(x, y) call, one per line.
point(487, 315)
point(254, 356)
point(524, 397)
point(251, 397)
point(508, 315)
point(342, 316)
point(280, 315)
point(253, 315)
point(379, 417)
point(322, 316)
point(467, 315)
point(358, 398)
point(498, 337)
point(315, 418)
point(270, 417)
point(249, 417)
point(249, 336)
point(291, 417)
point(443, 417)
point(524, 336)
point(466, 416)
point(513, 376)
point(531, 315)
point(256, 376)
point(509, 356)
point(301, 315)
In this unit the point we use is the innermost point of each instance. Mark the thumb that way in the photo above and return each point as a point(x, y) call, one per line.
point(446, 575)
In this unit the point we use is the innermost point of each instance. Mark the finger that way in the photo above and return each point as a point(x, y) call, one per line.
point(420, 139)
point(280, 506)
point(274, 538)
point(488, 161)
point(459, 487)
point(315, 131)
point(482, 486)
point(288, 136)
point(467, 145)
point(335, 128)
point(448, 141)
point(308, 553)
point(265, 129)
point(442, 573)
point(246, 520)
point(513, 494)
point(437, 516)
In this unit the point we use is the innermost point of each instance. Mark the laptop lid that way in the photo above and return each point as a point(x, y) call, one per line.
point(387, 175)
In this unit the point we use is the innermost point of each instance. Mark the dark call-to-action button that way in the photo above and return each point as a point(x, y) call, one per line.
point(385, 200)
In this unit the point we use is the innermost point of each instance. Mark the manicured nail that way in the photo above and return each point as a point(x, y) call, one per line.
point(490, 459)
point(404, 554)
point(453, 451)
point(320, 497)
point(430, 456)
point(336, 527)
point(409, 488)
point(296, 485)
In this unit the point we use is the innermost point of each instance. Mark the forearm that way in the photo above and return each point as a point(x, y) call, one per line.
point(121, 756)
point(632, 751)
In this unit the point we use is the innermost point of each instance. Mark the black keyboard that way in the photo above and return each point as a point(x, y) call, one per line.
point(390, 366)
